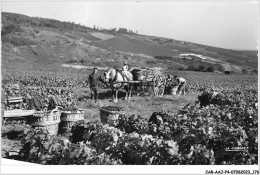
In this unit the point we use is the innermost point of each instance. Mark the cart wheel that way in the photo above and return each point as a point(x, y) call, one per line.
point(158, 85)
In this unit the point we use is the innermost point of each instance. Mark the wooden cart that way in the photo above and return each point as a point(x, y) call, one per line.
point(148, 80)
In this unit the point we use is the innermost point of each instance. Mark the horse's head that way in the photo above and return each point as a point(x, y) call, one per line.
point(109, 75)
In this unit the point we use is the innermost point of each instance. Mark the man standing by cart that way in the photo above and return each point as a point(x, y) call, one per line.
point(93, 84)
point(181, 82)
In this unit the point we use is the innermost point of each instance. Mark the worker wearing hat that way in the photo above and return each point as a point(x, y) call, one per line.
point(93, 84)
point(125, 69)
point(169, 79)
point(125, 66)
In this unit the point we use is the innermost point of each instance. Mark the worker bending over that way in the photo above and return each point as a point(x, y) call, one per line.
point(181, 82)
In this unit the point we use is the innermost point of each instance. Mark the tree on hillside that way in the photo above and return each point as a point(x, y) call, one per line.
point(6, 29)
point(191, 68)
point(201, 68)
point(210, 69)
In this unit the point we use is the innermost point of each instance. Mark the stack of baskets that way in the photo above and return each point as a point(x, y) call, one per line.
point(110, 114)
point(47, 120)
point(68, 118)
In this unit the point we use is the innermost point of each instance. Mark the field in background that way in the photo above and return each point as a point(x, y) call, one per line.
point(34, 40)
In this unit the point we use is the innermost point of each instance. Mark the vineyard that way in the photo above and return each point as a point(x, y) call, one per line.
point(53, 75)
point(49, 118)
point(223, 132)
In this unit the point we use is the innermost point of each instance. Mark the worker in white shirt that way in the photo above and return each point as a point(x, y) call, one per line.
point(125, 70)
point(181, 82)
point(125, 66)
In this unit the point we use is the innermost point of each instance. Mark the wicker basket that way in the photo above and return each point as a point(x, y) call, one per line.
point(18, 113)
point(68, 118)
point(72, 116)
point(110, 117)
point(48, 120)
point(44, 118)
point(172, 90)
point(52, 128)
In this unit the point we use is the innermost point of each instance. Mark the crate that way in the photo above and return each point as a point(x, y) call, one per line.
point(14, 99)
point(18, 113)
point(110, 116)
point(68, 118)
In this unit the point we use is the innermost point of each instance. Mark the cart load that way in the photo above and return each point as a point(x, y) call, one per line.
point(147, 74)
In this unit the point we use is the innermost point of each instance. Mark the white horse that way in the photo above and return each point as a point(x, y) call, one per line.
point(115, 79)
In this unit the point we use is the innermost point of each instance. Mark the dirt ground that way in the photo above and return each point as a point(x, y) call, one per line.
point(140, 105)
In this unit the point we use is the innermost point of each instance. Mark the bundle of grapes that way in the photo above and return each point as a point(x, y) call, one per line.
point(49, 120)
point(13, 90)
point(111, 114)
point(69, 116)
point(12, 96)
point(14, 106)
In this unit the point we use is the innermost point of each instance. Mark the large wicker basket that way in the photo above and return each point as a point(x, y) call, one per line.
point(110, 116)
point(49, 120)
point(43, 118)
point(52, 128)
point(68, 118)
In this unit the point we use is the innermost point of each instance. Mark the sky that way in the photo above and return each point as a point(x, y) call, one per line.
point(232, 25)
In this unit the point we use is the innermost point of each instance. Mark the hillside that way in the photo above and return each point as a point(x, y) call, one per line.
point(33, 39)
